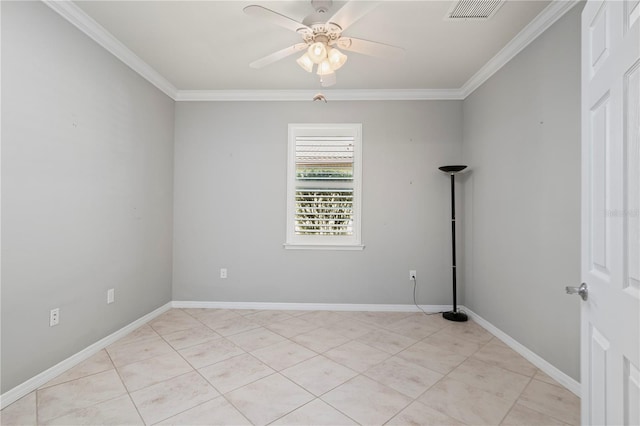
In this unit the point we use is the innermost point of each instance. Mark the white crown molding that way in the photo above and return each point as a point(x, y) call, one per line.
point(76, 16)
point(332, 95)
point(35, 382)
point(537, 26)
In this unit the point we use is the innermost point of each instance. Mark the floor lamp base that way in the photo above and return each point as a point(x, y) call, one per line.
point(456, 316)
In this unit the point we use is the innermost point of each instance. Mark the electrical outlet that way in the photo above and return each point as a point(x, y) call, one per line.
point(54, 317)
point(110, 295)
point(412, 275)
point(223, 272)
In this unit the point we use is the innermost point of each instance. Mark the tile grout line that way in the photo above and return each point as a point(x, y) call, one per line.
point(78, 378)
point(125, 386)
point(363, 375)
point(220, 394)
point(515, 401)
point(296, 408)
point(336, 408)
point(234, 406)
point(179, 375)
point(195, 369)
point(533, 379)
point(265, 326)
point(447, 375)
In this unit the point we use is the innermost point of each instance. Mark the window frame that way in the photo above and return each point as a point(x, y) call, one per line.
point(324, 242)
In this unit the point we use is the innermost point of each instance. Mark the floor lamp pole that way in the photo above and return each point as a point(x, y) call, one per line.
point(454, 315)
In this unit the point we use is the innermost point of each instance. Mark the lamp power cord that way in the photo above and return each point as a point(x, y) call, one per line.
point(415, 284)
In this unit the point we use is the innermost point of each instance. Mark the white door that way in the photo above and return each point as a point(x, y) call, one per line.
point(610, 208)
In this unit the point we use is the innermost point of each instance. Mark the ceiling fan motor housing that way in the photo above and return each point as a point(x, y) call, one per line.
point(317, 21)
point(325, 32)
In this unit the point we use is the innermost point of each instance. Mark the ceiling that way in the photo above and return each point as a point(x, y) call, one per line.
point(208, 45)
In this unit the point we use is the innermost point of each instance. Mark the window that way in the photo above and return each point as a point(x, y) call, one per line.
point(324, 186)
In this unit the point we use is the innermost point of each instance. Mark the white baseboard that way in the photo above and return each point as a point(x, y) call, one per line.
point(310, 306)
point(35, 382)
point(533, 358)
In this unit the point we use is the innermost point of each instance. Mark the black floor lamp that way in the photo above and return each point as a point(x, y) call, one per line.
point(453, 315)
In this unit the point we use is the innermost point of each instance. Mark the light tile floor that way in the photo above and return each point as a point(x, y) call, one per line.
point(241, 367)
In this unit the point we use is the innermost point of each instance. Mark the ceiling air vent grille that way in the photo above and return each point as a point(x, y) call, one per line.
point(477, 10)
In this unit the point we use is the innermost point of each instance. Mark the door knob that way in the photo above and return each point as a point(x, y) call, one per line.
point(580, 291)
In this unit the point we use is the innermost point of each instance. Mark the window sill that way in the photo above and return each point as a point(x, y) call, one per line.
point(352, 247)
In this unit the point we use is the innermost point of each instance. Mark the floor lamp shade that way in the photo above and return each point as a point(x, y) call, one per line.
point(454, 315)
point(452, 169)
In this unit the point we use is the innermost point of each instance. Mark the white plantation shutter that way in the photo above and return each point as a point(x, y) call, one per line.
point(324, 212)
point(324, 186)
point(325, 151)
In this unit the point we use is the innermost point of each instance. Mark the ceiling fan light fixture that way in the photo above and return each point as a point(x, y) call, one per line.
point(317, 52)
point(324, 68)
point(336, 58)
point(320, 35)
point(305, 62)
point(328, 80)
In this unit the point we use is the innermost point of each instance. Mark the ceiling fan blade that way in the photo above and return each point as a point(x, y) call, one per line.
point(351, 12)
point(371, 48)
point(276, 56)
point(275, 18)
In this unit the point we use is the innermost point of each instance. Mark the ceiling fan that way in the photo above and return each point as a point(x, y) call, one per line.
point(322, 37)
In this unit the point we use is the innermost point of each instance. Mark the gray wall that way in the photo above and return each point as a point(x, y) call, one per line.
point(87, 168)
point(230, 204)
point(522, 197)
point(88, 189)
